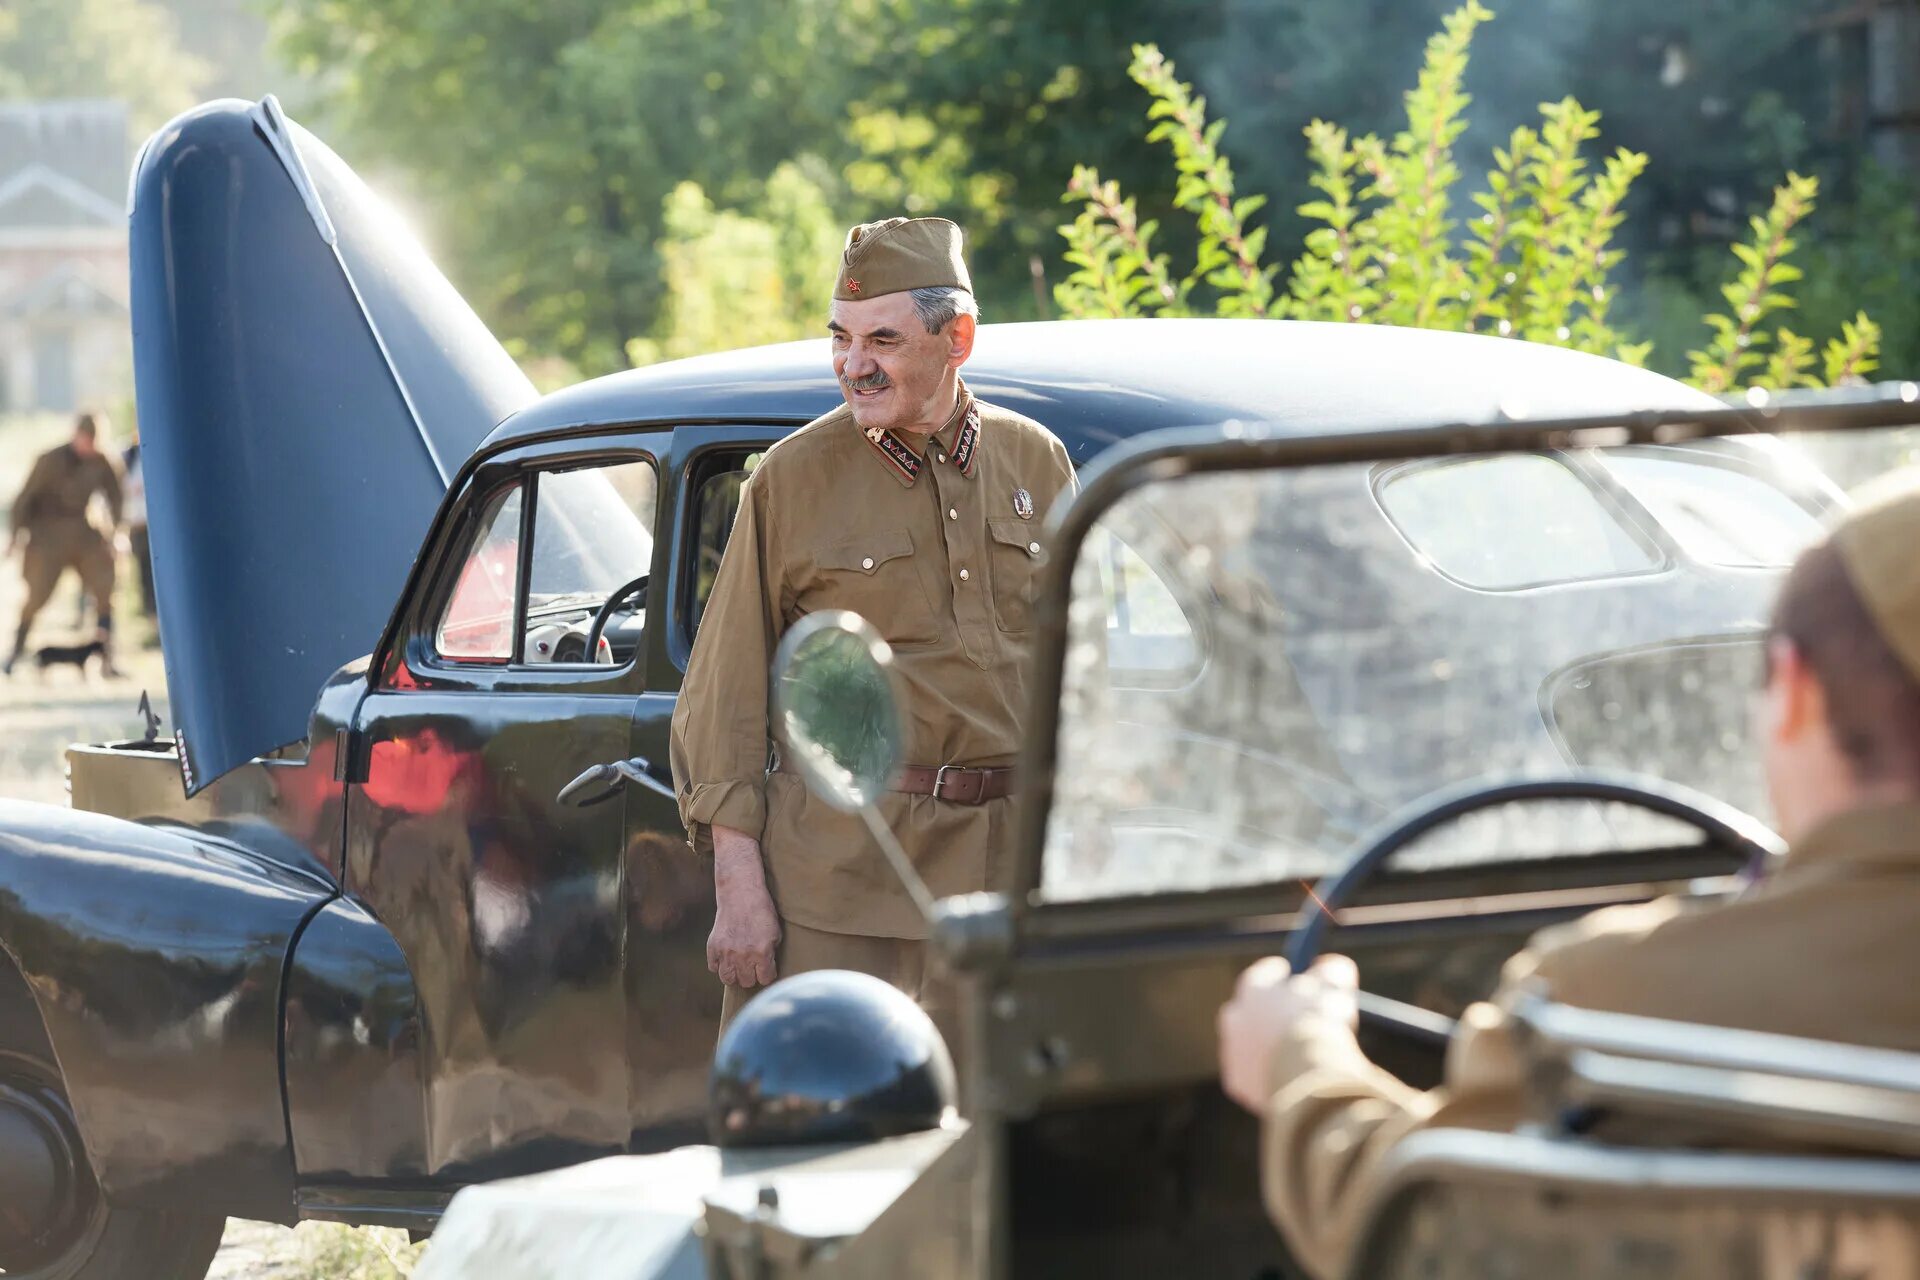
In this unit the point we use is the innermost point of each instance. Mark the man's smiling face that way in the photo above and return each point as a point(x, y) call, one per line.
point(891, 370)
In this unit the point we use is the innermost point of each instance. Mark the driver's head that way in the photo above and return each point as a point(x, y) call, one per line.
point(1842, 718)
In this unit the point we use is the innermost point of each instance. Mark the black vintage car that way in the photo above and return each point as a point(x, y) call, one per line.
point(341, 946)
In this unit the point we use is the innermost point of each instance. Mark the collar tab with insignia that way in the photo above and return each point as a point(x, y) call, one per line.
point(906, 462)
point(896, 453)
point(966, 446)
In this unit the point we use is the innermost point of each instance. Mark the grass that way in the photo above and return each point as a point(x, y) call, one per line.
point(331, 1251)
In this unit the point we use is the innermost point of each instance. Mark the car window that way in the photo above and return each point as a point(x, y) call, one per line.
point(592, 535)
point(477, 623)
point(1149, 638)
point(1717, 514)
point(716, 503)
point(1503, 523)
point(592, 530)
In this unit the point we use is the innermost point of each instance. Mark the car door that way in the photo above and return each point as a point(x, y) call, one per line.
point(673, 1008)
point(509, 903)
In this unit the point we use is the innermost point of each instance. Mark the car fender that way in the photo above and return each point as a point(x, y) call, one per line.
point(155, 955)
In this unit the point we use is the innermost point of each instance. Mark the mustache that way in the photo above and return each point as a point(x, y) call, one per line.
point(872, 382)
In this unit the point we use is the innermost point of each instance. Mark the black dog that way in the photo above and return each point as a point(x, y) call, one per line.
point(74, 655)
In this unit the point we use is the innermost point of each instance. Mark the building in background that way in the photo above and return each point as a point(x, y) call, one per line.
point(64, 341)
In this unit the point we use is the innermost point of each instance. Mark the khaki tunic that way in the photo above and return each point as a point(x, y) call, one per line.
point(52, 509)
point(1825, 947)
point(59, 488)
point(942, 554)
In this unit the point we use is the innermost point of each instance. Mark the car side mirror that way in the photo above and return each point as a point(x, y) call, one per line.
point(837, 709)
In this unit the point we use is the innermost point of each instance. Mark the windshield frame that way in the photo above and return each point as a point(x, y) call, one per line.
point(1175, 453)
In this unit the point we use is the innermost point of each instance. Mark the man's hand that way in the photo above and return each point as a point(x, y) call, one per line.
point(746, 928)
point(1269, 1001)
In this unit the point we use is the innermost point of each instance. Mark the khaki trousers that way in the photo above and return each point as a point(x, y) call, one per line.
point(898, 961)
point(52, 550)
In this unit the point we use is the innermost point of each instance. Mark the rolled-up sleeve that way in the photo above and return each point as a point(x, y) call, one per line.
point(720, 743)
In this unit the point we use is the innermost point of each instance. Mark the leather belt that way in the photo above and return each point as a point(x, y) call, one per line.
point(955, 783)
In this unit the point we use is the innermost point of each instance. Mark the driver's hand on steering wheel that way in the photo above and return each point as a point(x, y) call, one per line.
point(1270, 1003)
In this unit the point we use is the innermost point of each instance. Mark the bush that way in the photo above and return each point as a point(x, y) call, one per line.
point(1537, 261)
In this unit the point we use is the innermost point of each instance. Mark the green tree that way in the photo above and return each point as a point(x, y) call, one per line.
point(1538, 262)
point(736, 279)
point(546, 139)
point(125, 49)
point(542, 142)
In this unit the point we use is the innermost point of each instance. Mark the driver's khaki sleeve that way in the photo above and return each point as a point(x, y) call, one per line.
point(720, 745)
point(1334, 1116)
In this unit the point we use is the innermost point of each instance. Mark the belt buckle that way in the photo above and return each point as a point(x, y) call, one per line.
point(940, 779)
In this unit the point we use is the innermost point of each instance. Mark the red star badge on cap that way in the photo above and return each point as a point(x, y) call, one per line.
point(853, 286)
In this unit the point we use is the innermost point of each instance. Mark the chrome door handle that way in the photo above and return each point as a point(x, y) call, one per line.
point(602, 782)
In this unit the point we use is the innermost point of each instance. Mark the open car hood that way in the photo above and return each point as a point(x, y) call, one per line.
point(307, 384)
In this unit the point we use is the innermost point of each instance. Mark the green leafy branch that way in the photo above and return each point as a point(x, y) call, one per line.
point(1332, 280)
point(1421, 280)
point(1757, 291)
point(1228, 257)
point(1113, 250)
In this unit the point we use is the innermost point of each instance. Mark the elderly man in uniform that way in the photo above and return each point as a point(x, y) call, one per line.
point(51, 511)
point(1824, 947)
point(919, 507)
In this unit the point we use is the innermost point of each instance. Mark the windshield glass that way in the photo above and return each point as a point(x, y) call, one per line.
point(1264, 664)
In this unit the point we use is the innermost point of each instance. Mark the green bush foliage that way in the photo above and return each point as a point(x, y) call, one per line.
point(1537, 261)
point(737, 278)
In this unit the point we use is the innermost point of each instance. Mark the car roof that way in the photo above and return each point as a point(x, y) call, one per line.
point(1095, 383)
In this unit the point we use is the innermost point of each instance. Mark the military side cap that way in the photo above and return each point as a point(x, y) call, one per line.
point(900, 254)
point(1879, 543)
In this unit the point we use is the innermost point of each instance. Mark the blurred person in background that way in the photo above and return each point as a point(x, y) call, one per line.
point(49, 522)
point(133, 490)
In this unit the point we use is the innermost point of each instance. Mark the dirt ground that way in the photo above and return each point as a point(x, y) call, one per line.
point(39, 716)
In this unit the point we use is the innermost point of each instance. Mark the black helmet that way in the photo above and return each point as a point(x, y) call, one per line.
point(829, 1056)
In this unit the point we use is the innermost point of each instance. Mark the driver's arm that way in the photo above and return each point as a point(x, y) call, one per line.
point(1329, 1115)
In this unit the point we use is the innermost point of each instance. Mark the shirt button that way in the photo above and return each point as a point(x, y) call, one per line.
point(953, 513)
point(963, 575)
point(867, 563)
point(1033, 548)
point(943, 457)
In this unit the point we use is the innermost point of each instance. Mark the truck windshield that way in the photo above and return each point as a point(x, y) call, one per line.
point(1351, 638)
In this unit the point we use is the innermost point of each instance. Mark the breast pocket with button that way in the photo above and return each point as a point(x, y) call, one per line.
point(875, 576)
point(1015, 560)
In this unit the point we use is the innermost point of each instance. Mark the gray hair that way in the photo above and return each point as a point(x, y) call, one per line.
point(939, 304)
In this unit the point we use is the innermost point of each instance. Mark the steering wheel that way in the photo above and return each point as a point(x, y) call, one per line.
point(609, 607)
point(1722, 824)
